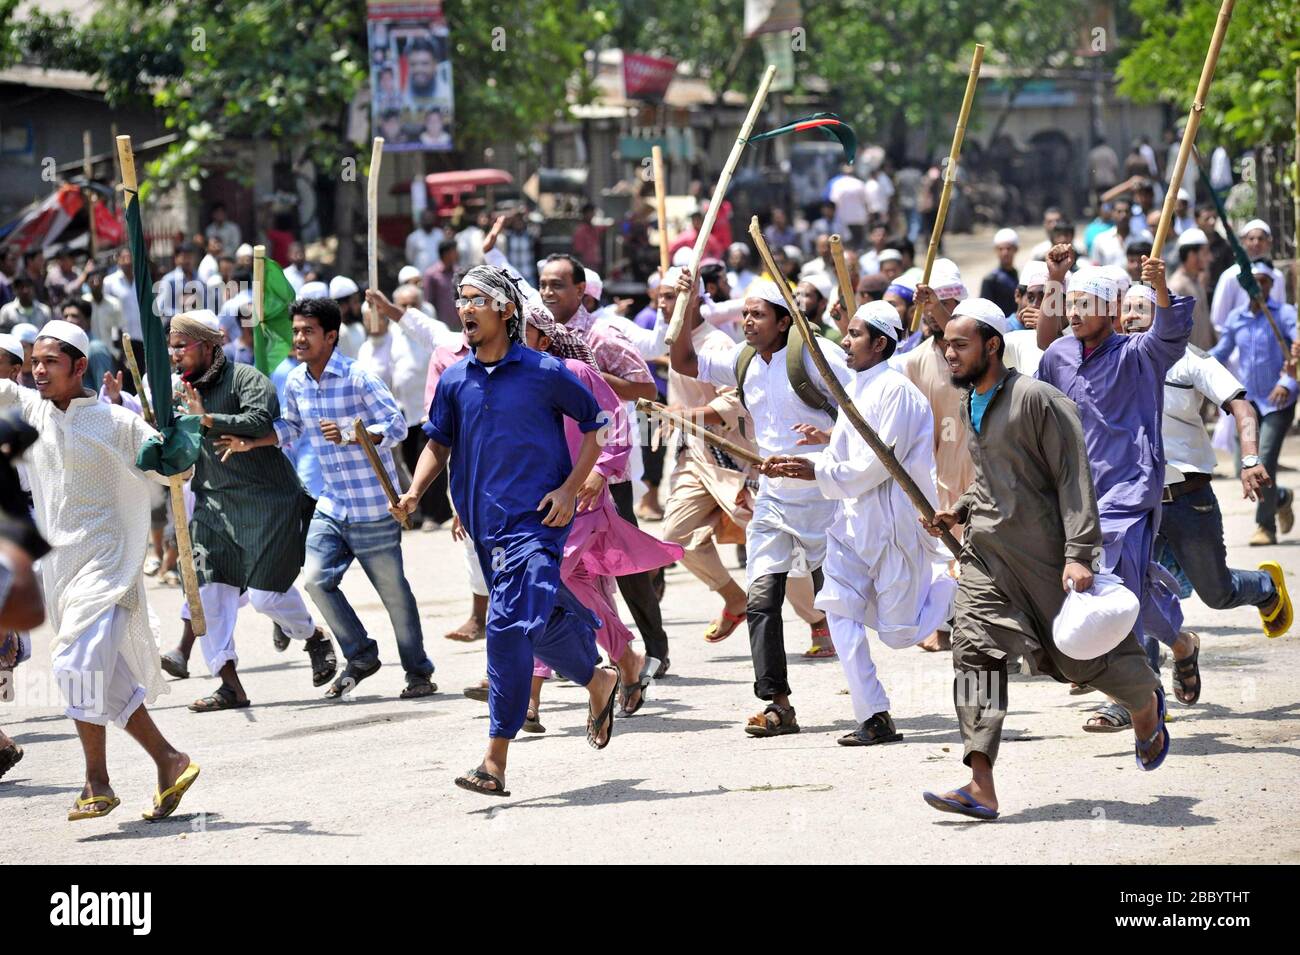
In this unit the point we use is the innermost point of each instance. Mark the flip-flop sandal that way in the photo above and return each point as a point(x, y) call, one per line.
point(761, 726)
point(476, 779)
point(965, 805)
point(81, 812)
point(476, 692)
point(173, 664)
point(1079, 689)
point(175, 792)
point(1279, 621)
point(730, 621)
point(10, 757)
point(1186, 670)
point(1160, 728)
point(223, 699)
point(816, 652)
point(1115, 719)
point(532, 724)
point(596, 723)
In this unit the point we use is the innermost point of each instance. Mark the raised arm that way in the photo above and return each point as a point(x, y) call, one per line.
point(1052, 321)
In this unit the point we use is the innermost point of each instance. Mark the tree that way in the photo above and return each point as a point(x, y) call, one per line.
point(1251, 99)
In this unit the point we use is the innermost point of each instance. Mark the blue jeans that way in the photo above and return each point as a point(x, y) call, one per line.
point(1191, 527)
point(331, 546)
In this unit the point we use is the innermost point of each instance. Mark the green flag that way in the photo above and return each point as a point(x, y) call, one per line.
point(273, 338)
point(178, 447)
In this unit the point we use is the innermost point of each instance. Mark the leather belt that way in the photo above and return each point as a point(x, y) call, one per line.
point(1193, 482)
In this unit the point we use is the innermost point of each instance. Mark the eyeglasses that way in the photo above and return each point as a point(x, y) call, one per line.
point(478, 301)
point(180, 349)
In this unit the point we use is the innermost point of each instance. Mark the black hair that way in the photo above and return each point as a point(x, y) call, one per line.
point(713, 272)
point(217, 205)
point(1207, 207)
point(988, 331)
point(890, 343)
point(445, 246)
point(31, 254)
point(903, 244)
point(1185, 250)
point(325, 311)
point(1065, 225)
point(241, 274)
point(1137, 248)
point(579, 270)
point(22, 278)
point(421, 43)
point(80, 304)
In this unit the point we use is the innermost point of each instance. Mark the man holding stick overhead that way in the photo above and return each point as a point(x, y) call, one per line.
point(323, 396)
point(784, 395)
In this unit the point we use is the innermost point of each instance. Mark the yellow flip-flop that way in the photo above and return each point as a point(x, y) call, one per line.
point(1279, 621)
point(177, 789)
point(81, 812)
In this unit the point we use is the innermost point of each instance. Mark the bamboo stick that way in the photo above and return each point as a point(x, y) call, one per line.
point(661, 207)
point(847, 292)
point(368, 445)
point(648, 407)
point(372, 211)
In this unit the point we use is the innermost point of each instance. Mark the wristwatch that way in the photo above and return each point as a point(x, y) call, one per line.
point(1249, 461)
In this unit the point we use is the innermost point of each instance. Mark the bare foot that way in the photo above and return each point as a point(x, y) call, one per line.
point(469, 631)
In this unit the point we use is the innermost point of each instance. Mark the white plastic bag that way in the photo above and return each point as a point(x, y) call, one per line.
point(1093, 623)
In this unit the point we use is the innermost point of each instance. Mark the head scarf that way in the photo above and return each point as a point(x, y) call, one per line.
point(497, 285)
point(564, 342)
point(196, 326)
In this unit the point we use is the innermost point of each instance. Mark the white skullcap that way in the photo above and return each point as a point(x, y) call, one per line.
point(1120, 276)
point(881, 316)
point(13, 346)
point(766, 290)
point(314, 290)
point(793, 252)
point(244, 250)
point(1095, 281)
point(982, 310)
point(889, 255)
point(945, 279)
point(595, 287)
point(909, 279)
point(1262, 267)
point(66, 332)
point(341, 287)
point(1192, 236)
point(683, 256)
point(674, 273)
point(1259, 224)
point(652, 282)
point(1006, 237)
point(25, 332)
point(407, 273)
point(1034, 274)
point(1184, 195)
point(1141, 292)
point(822, 283)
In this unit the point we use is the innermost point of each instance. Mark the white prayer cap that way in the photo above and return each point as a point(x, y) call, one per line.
point(1006, 237)
point(945, 279)
point(314, 290)
point(822, 283)
point(341, 287)
point(683, 256)
point(407, 273)
point(25, 332)
point(1259, 224)
point(1263, 267)
point(889, 255)
point(982, 310)
point(1034, 274)
point(793, 253)
point(909, 279)
point(1120, 276)
point(881, 316)
point(66, 332)
point(766, 290)
point(652, 282)
point(13, 346)
point(244, 251)
point(595, 287)
point(1192, 236)
point(1184, 195)
point(1141, 292)
point(674, 273)
point(1095, 281)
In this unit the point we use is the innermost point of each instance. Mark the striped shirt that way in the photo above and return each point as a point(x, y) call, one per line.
point(345, 392)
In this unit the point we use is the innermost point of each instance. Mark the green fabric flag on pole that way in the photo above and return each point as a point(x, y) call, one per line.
point(273, 338)
point(178, 448)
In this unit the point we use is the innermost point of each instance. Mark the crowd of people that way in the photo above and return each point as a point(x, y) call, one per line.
point(1057, 422)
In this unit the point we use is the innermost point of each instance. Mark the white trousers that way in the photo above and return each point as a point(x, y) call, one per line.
point(477, 582)
point(221, 603)
point(94, 677)
point(865, 689)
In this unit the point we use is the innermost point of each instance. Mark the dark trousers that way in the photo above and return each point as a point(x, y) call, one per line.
point(435, 505)
point(1272, 431)
point(638, 589)
point(653, 461)
point(1191, 526)
point(767, 633)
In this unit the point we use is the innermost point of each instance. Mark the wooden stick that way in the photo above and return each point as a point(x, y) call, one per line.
point(259, 284)
point(719, 194)
point(661, 207)
point(734, 450)
point(368, 445)
point(847, 292)
point(180, 518)
point(145, 406)
point(841, 397)
point(1193, 124)
point(372, 210)
point(950, 174)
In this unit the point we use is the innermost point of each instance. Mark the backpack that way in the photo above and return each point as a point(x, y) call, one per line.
point(800, 381)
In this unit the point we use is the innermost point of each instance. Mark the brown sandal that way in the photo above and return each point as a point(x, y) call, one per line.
point(783, 725)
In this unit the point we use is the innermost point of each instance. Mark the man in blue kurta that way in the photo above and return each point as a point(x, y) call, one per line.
point(1117, 381)
point(499, 416)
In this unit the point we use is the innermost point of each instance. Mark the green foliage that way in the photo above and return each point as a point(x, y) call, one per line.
point(1252, 98)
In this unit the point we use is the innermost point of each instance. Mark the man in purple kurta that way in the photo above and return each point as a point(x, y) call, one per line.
point(1117, 381)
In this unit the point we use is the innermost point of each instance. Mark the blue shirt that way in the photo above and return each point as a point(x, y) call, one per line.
point(505, 429)
point(300, 453)
point(1259, 357)
point(345, 392)
point(979, 402)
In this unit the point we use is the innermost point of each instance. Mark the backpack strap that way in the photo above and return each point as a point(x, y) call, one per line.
point(800, 381)
point(742, 366)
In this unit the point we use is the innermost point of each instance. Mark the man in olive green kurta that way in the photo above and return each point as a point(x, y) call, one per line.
point(250, 517)
point(1031, 527)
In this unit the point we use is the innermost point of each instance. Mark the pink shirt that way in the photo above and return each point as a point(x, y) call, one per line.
point(615, 353)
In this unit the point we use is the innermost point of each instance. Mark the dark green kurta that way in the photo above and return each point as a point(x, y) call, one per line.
point(250, 512)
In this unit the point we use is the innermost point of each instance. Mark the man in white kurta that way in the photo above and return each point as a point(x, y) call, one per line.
point(92, 505)
point(882, 571)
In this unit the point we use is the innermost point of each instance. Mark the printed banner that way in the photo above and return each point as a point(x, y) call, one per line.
point(646, 77)
point(411, 101)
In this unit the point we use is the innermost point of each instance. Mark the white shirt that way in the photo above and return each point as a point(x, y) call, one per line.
point(422, 248)
point(1108, 248)
point(12, 313)
point(295, 276)
point(775, 409)
point(120, 286)
point(1193, 378)
point(1022, 351)
point(650, 342)
point(208, 267)
point(227, 232)
point(428, 332)
point(105, 318)
point(469, 241)
point(400, 363)
point(849, 193)
point(739, 281)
